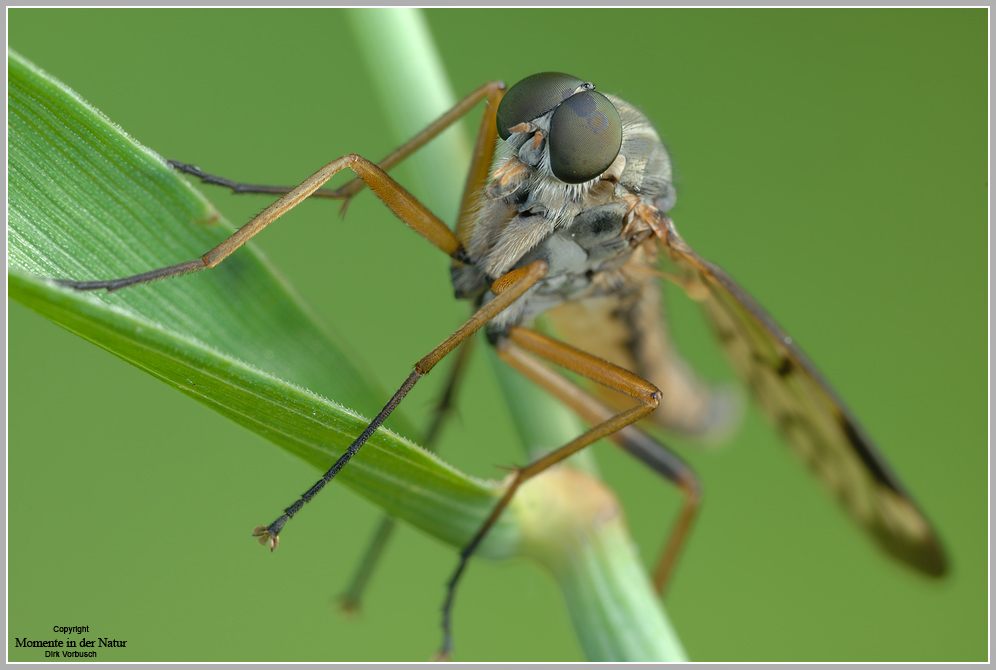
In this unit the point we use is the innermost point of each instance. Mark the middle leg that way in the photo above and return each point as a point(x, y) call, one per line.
point(577, 361)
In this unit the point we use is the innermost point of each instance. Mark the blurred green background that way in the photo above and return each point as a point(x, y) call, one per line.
point(834, 162)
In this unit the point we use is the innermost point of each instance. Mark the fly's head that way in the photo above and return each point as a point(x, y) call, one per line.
point(558, 129)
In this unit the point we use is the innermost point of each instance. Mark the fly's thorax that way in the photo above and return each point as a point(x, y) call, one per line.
point(588, 257)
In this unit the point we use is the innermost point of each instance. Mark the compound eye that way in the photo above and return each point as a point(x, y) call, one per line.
point(585, 137)
point(533, 97)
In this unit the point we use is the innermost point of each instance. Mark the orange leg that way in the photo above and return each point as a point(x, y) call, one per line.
point(399, 200)
point(525, 278)
point(634, 441)
point(492, 91)
point(511, 349)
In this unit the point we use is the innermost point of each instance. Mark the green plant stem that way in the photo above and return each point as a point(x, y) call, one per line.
point(612, 605)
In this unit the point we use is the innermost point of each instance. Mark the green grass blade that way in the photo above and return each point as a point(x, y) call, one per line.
point(87, 202)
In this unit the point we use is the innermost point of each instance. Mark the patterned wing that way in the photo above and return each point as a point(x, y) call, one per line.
point(812, 418)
